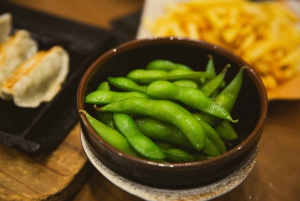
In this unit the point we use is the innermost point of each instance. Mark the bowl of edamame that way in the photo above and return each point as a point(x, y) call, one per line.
point(172, 112)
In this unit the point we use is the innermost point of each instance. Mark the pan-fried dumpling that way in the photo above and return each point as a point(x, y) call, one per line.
point(14, 51)
point(38, 79)
point(5, 26)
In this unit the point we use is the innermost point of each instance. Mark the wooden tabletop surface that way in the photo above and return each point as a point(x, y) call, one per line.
point(276, 175)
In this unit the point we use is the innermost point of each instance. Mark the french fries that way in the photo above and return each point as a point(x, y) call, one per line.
point(265, 34)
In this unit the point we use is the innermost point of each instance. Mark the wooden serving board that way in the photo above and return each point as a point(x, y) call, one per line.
point(55, 176)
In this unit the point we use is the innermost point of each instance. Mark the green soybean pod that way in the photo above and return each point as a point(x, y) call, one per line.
point(103, 86)
point(105, 97)
point(200, 157)
point(105, 117)
point(210, 68)
point(163, 131)
point(176, 155)
point(186, 83)
point(126, 84)
point(210, 148)
point(206, 118)
point(191, 97)
point(178, 74)
point(109, 135)
point(213, 84)
point(139, 142)
point(226, 98)
point(214, 136)
point(159, 130)
point(166, 65)
point(144, 76)
point(226, 131)
point(162, 110)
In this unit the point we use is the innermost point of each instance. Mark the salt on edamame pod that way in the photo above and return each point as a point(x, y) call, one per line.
point(191, 97)
point(109, 135)
point(162, 110)
point(139, 142)
point(166, 65)
point(105, 97)
point(126, 84)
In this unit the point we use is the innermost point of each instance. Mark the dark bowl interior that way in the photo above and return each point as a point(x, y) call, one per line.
point(250, 109)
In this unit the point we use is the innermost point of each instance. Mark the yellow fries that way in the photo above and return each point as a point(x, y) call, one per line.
point(265, 34)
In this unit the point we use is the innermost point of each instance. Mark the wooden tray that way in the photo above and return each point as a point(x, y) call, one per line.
point(45, 177)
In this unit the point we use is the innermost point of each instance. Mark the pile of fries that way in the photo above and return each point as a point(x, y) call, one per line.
point(265, 34)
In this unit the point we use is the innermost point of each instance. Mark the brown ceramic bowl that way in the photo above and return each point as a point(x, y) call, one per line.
point(251, 110)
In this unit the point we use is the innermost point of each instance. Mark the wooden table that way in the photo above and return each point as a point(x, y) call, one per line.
point(276, 175)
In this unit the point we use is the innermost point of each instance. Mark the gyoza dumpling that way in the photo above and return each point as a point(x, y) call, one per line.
point(5, 26)
point(14, 51)
point(38, 79)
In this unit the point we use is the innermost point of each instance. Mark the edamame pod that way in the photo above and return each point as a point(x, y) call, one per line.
point(162, 110)
point(126, 84)
point(200, 157)
point(165, 65)
point(103, 86)
point(210, 68)
point(214, 137)
point(206, 118)
point(210, 148)
point(109, 135)
point(226, 131)
point(226, 98)
point(175, 154)
point(105, 97)
point(213, 84)
point(105, 117)
point(191, 97)
point(186, 83)
point(139, 142)
point(144, 76)
point(159, 130)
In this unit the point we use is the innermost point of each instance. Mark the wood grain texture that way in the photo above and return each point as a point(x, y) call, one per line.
point(92, 12)
point(275, 177)
point(55, 176)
